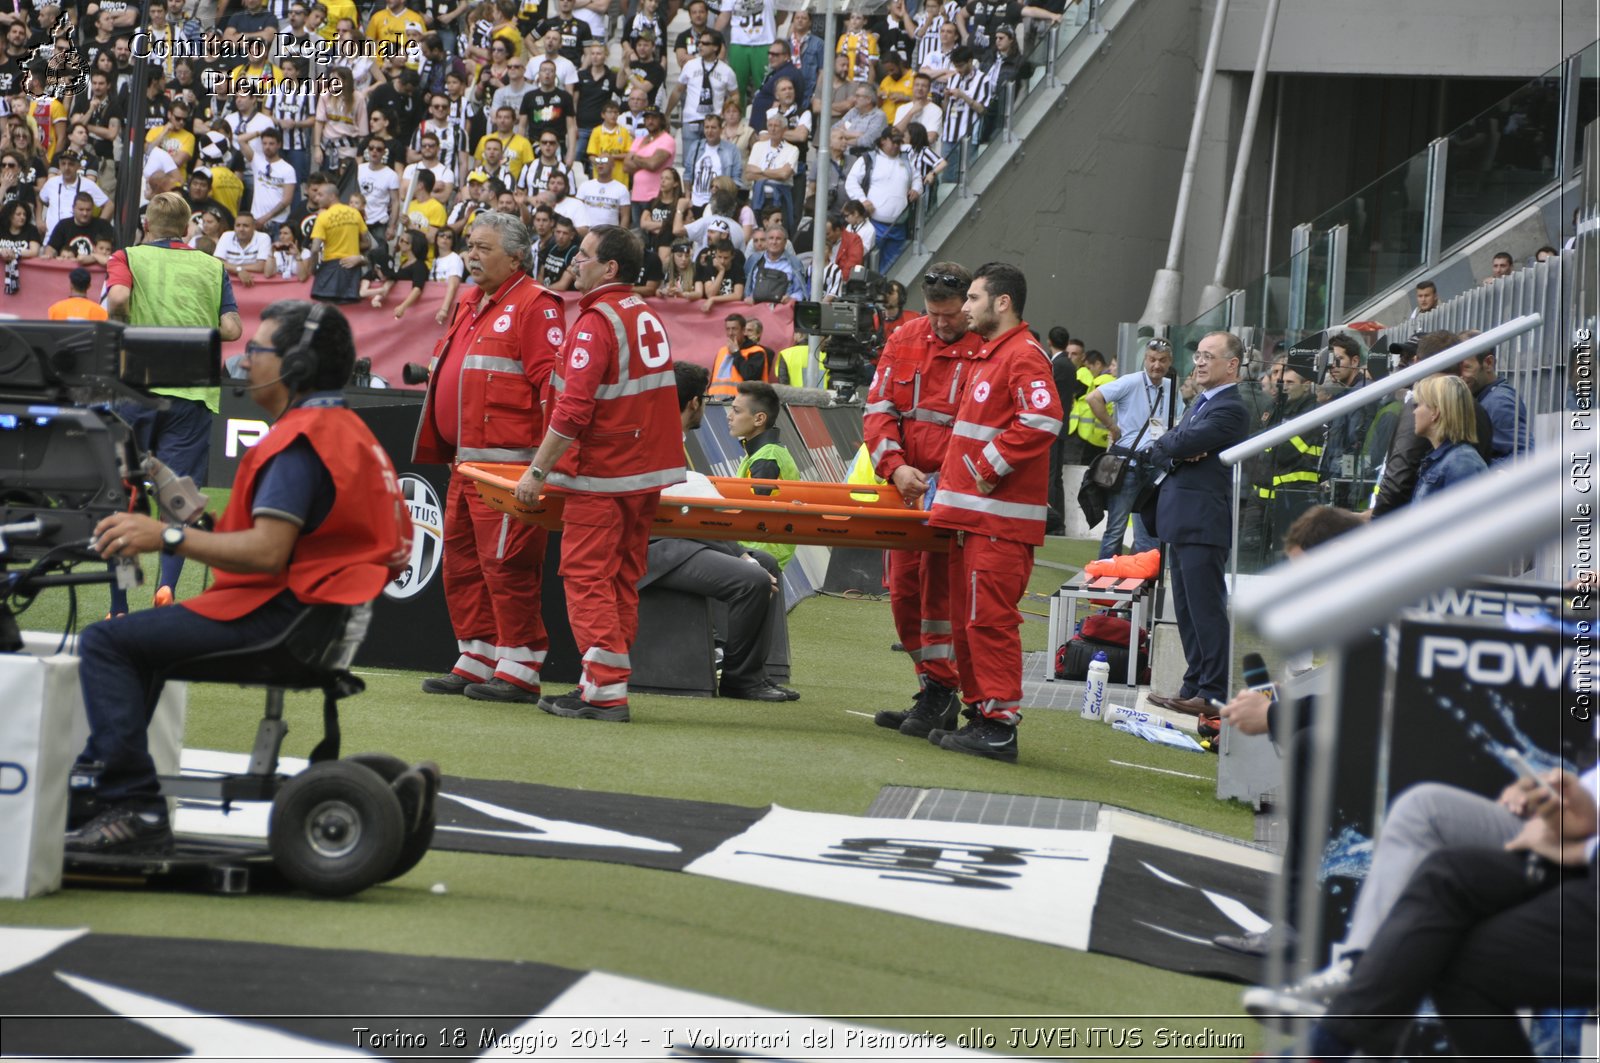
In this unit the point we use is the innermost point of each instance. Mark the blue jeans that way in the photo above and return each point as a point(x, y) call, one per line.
point(891, 241)
point(774, 193)
point(120, 664)
point(181, 437)
point(1118, 507)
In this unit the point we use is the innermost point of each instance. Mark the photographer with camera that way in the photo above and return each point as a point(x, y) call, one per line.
point(911, 407)
point(316, 518)
point(163, 281)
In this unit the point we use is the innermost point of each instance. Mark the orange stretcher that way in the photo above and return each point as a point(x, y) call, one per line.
point(803, 512)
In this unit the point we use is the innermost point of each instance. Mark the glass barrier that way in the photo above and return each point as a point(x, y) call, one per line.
point(1387, 223)
point(1501, 157)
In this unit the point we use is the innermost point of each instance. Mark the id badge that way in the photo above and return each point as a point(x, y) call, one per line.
point(1157, 429)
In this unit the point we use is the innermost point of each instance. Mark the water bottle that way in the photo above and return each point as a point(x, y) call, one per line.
point(1094, 687)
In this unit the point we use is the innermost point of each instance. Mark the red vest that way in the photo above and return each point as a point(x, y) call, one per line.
point(502, 357)
point(615, 394)
point(914, 396)
point(361, 544)
point(1009, 416)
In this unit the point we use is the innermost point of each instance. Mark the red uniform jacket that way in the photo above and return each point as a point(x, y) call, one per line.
point(1009, 416)
point(496, 364)
point(914, 396)
point(361, 544)
point(615, 394)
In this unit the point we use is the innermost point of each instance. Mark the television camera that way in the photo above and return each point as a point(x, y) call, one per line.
point(851, 328)
point(67, 460)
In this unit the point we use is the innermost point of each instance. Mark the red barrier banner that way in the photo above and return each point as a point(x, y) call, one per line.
point(696, 336)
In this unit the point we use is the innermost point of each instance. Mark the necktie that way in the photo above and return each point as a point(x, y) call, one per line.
point(705, 87)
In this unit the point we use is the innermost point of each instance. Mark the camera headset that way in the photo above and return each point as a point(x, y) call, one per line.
point(299, 363)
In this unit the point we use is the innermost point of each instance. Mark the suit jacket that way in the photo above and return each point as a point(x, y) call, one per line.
point(1194, 503)
point(667, 554)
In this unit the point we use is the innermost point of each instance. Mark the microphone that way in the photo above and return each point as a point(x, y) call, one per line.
point(1256, 676)
point(240, 389)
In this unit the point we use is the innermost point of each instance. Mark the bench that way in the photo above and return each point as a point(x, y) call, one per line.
point(1126, 594)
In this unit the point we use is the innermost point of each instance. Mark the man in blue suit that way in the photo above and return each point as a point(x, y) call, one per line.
point(1194, 521)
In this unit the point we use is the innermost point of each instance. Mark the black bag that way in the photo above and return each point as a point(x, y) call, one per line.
point(1108, 470)
point(770, 287)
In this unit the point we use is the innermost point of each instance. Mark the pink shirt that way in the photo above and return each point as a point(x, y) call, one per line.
point(647, 184)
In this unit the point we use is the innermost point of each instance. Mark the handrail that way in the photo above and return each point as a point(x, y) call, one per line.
point(1366, 396)
point(1342, 588)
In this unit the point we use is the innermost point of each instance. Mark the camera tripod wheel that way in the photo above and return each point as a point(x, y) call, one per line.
point(417, 788)
point(336, 828)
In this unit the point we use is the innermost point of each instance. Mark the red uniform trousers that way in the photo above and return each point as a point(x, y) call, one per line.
point(493, 568)
point(919, 600)
point(605, 540)
point(987, 578)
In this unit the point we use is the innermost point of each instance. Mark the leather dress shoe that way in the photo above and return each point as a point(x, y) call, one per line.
point(1189, 706)
point(766, 691)
point(1161, 701)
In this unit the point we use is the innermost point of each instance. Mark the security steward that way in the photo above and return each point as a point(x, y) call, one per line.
point(911, 406)
point(316, 517)
point(993, 491)
point(613, 441)
point(1285, 477)
point(482, 404)
point(740, 360)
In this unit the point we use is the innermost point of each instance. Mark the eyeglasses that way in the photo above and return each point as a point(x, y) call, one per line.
point(548, 143)
point(945, 280)
point(777, 51)
point(252, 349)
point(9, 166)
point(1202, 358)
point(1158, 344)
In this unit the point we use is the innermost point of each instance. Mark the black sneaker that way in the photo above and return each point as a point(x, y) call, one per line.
point(984, 737)
point(449, 683)
point(122, 831)
point(893, 718)
point(936, 710)
point(936, 736)
point(574, 707)
point(498, 689)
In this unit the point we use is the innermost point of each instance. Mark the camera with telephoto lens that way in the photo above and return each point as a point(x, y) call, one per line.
point(415, 374)
point(66, 457)
point(851, 328)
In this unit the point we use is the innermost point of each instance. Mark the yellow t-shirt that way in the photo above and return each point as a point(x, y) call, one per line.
point(614, 144)
point(268, 73)
point(338, 9)
point(513, 39)
point(384, 25)
point(888, 85)
point(339, 227)
point(226, 187)
point(432, 212)
point(860, 48)
point(518, 152)
point(171, 140)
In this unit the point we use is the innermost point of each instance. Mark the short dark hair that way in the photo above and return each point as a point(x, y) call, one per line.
point(425, 179)
point(939, 289)
point(334, 343)
point(962, 54)
point(564, 222)
point(613, 243)
point(1431, 343)
point(274, 132)
point(1002, 278)
point(765, 397)
point(1498, 255)
point(692, 382)
point(713, 36)
point(1094, 358)
point(1346, 344)
point(1428, 285)
point(1059, 336)
point(1319, 524)
point(740, 318)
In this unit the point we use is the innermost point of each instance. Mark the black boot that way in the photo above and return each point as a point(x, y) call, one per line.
point(937, 710)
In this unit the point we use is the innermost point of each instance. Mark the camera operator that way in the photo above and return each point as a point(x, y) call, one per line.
point(163, 281)
point(316, 517)
point(911, 407)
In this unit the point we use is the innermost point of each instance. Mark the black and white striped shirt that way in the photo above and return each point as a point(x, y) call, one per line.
point(293, 106)
point(452, 141)
point(536, 176)
point(959, 117)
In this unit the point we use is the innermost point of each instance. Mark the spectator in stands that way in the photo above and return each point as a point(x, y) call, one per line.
point(275, 181)
point(207, 230)
point(770, 169)
point(1427, 297)
point(555, 268)
point(597, 85)
point(745, 579)
point(665, 218)
point(709, 158)
point(77, 306)
point(678, 281)
point(246, 252)
point(647, 158)
point(735, 130)
point(1544, 253)
point(805, 52)
point(883, 184)
point(516, 86)
point(57, 197)
point(687, 44)
point(860, 222)
point(516, 151)
point(967, 94)
point(610, 138)
point(411, 265)
point(770, 277)
point(722, 279)
point(1507, 415)
point(290, 262)
point(921, 110)
point(645, 69)
point(1407, 447)
point(1443, 415)
point(74, 237)
point(720, 218)
point(604, 197)
point(704, 83)
point(780, 67)
point(1500, 266)
point(857, 131)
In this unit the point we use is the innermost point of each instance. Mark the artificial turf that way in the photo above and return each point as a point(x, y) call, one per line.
point(770, 949)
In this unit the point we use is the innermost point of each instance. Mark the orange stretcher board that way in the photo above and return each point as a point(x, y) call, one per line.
point(803, 512)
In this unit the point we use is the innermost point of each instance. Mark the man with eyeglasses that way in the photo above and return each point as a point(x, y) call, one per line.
point(612, 394)
point(911, 408)
point(483, 404)
point(548, 162)
point(450, 137)
point(1194, 518)
point(704, 84)
point(1146, 405)
point(779, 68)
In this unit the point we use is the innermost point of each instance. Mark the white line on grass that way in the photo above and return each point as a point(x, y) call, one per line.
point(853, 712)
point(1164, 771)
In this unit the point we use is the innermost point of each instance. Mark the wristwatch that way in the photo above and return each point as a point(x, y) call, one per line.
point(536, 472)
point(171, 539)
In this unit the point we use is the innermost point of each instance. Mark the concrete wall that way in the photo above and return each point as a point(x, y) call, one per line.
point(1440, 38)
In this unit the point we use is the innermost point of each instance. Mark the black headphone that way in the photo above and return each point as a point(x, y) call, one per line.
point(299, 365)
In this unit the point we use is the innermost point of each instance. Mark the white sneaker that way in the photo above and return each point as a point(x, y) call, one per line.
point(1306, 999)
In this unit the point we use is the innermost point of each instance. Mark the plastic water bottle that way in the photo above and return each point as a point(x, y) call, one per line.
point(1113, 713)
point(1094, 687)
